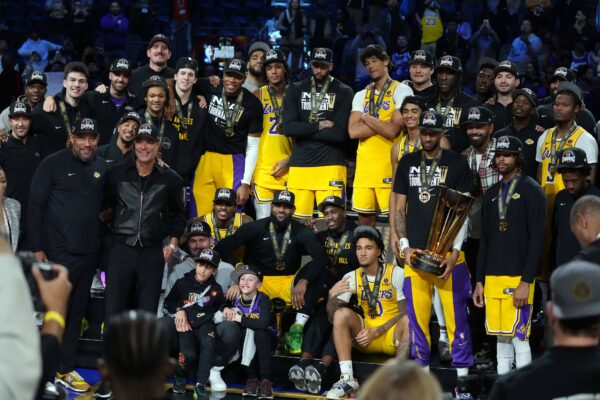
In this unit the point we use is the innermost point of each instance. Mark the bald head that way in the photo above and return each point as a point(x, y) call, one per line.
point(585, 219)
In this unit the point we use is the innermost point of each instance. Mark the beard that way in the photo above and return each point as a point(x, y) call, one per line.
point(280, 224)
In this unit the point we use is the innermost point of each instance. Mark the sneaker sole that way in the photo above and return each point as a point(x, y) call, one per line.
point(313, 380)
point(297, 378)
point(103, 396)
point(68, 386)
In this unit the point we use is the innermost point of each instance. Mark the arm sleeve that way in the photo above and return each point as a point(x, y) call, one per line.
point(172, 299)
point(227, 246)
point(536, 221)
point(588, 144)
point(41, 185)
point(176, 208)
point(345, 297)
point(398, 281)
point(292, 126)
point(264, 320)
point(26, 49)
point(339, 132)
point(314, 269)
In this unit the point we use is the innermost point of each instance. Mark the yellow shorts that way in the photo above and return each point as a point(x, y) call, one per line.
point(310, 184)
point(502, 318)
point(384, 344)
point(369, 200)
point(264, 195)
point(276, 286)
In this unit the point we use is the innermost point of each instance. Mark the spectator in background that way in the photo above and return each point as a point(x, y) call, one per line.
point(463, 27)
point(320, 29)
point(400, 60)
point(431, 26)
point(292, 25)
point(57, 16)
point(67, 54)
point(539, 17)
point(391, 23)
point(114, 26)
point(181, 27)
point(580, 57)
point(255, 77)
point(142, 18)
point(38, 50)
point(526, 47)
point(556, 53)
point(585, 78)
point(532, 79)
point(582, 31)
point(485, 41)
point(366, 36)
point(80, 26)
point(10, 81)
point(452, 43)
point(344, 30)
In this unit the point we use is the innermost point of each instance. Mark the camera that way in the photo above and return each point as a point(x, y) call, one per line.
point(28, 261)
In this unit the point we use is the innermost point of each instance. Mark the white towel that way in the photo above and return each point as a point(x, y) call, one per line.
point(249, 348)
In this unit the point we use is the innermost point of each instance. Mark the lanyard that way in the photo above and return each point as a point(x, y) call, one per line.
point(503, 202)
point(372, 295)
point(280, 251)
point(407, 145)
point(426, 178)
point(161, 130)
point(335, 253)
point(375, 105)
point(276, 107)
point(65, 116)
point(216, 229)
point(183, 118)
point(231, 114)
point(553, 149)
point(317, 100)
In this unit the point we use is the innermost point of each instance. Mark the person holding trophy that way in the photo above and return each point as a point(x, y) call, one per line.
point(513, 217)
point(431, 207)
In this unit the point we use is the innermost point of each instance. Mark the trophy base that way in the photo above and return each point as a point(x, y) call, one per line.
point(427, 261)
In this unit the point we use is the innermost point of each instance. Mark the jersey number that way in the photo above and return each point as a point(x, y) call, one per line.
point(273, 128)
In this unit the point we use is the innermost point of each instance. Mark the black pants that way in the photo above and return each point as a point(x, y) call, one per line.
point(198, 348)
point(260, 366)
point(314, 292)
point(318, 337)
point(476, 314)
point(82, 268)
point(133, 268)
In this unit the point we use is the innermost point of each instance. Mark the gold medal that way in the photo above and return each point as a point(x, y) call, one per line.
point(313, 117)
point(229, 132)
point(280, 265)
point(503, 225)
point(424, 196)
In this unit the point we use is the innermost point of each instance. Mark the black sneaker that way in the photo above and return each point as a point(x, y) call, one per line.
point(103, 392)
point(266, 390)
point(251, 388)
point(200, 391)
point(179, 384)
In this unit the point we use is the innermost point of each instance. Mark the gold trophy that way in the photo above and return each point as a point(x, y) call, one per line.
point(451, 211)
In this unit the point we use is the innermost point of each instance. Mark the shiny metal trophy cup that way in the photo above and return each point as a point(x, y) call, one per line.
point(451, 211)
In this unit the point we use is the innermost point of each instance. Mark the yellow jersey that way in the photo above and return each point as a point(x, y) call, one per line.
point(372, 169)
point(432, 26)
point(218, 233)
point(272, 147)
point(387, 304)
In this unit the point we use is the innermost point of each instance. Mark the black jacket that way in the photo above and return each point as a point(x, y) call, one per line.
point(346, 261)
point(199, 306)
point(106, 112)
point(148, 209)
point(64, 203)
point(590, 253)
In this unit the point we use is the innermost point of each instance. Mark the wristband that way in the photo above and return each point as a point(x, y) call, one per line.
point(54, 316)
point(403, 244)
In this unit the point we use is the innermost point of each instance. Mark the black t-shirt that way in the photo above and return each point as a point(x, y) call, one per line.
point(408, 182)
point(459, 108)
point(346, 258)
point(113, 154)
point(502, 115)
point(529, 136)
point(564, 242)
point(249, 119)
point(561, 372)
point(142, 74)
point(19, 160)
point(427, 95)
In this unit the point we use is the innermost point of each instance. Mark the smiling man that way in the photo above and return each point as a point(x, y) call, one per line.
point(506, 81)
point(224, 220)
point(35, 91)
point(120, 149)
point(158, 53)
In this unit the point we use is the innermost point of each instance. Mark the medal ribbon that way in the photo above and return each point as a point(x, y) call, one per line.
point(502, 203)
point(65, 116)
point(317, 100)
point(553, 150)
point(161, 130)
point(375, 105)
point(230, 114)
point(426, 178)
point(334, 257)
point(183, 118)
point(280, 251)
point(217, 233)
point(416, 147)
point(372, 295)
point(438, 108)
point(276, 107)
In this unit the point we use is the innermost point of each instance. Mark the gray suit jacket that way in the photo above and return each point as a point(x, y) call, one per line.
point(12, 211)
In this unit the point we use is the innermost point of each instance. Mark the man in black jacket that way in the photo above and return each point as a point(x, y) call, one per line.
point(63, 217)
point(121, 148)
point(276, 245)
point(585, 224)
point(147, 200)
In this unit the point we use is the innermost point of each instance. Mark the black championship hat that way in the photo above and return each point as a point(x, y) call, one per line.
point(86, 125)
point(243, 270)
point(225, 195)
point(572, 88)
point(274, 55)
point(321, 55)
point(507, 66)
point(284, 197)
point(528, 93)
point(572, 158)
point(155, 80)
point(120, 65)
point(130, 116)
point(563, 74)
point(208, 256)
point(159, 37)
point(423, 57)
point(335, 201)
point(187, 62)
point(451, 63)
point(478, 116)
point(509, 144)
point(147, 130)
point(19, 109)
point(432, 121)
point(198, 228)
point(235, 66)
point(36, 77)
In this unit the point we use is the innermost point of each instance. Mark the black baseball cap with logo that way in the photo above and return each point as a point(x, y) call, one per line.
point(528, 93)
point(19, 109)
point(155, 80)
point(423, 57)
point(335, 201)
point(321, 55)
point(121, 65)
point(187, 62)
point(235, 66)
point(159, 37)
point(243, 270)
point(36, 77)
point(274, 55)
point(478, 116)
point(509, 145)
point(198, 228)
point(225, 195)
point(208, 256)
point(507, 66)
point(563, 74)
point(450, 63)
point(86, 125)
point(284, 197)
point(130, 116)
point(572, 158)
point(148, 131)
point(431, 121)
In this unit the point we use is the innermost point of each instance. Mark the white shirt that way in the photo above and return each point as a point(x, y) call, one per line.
point(400, 92)
point(397, 281)
point(586, 142)
point(519, 50)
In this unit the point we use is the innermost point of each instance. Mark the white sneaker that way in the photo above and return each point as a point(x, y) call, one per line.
point(217, 384)
point(343, 388)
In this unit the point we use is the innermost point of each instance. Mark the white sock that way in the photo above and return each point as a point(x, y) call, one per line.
point(504, 354)
point(263, 210)
point(437, 307)
point(346, 369)
point(522, 352)
point(443, 335)
point(425, 368)
point(301, 318)
point(462, 372)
